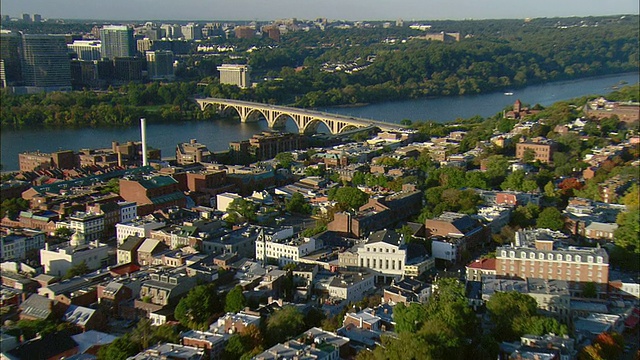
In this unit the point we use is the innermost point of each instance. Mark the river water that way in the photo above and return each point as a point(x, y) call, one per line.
point(217, 134)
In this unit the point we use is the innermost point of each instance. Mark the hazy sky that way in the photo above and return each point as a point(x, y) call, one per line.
point(311, 9)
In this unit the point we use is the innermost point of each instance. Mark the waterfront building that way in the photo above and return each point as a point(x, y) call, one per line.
point(160, 65)
point(192, 152)
point(45, 62)
point(233, 74)
point(10, 67)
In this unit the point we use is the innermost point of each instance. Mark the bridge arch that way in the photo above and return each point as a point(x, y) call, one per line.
point(311, 126)
point(347, 127)
point(253, 115)
point(281, 119)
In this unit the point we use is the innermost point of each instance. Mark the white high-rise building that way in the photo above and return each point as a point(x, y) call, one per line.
point(233, 74)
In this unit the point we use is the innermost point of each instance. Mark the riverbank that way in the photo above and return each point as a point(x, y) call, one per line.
point(217, 134)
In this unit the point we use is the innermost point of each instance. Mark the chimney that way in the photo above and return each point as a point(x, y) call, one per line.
point(143, 134)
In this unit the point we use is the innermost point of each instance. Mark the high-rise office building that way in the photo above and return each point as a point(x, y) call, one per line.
point(160, 65)
point(10, 44)
point(45, 62)
point(239, 75)
point(87, 49)
point(117, 41)
point(37, 18)
point(191, 31)
point(26, 17)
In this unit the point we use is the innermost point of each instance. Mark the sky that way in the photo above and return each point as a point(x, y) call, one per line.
point(311, 9)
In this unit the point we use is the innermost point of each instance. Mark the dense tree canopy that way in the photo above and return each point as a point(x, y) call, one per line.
point(198, 308)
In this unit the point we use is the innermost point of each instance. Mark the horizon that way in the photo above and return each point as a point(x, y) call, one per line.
point(335, 10)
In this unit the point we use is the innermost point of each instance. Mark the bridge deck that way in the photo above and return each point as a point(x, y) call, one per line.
point(291, 111)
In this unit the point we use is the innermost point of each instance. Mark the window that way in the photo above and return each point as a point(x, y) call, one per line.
point(599, 259)
point(590, 259)
point(512, 254)
point(549, 256)
point(541, 256)
point(578, 258)
point(559, 257)
point(503, 253)
point(568, 257)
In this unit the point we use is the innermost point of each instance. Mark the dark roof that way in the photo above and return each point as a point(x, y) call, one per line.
point(36, 306)
point(46, 347)
point(387, 236)
point(130, 243)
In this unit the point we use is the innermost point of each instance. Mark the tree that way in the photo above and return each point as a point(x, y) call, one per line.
point(626, 235)
point(63, 232)
point(529, 156)
point(298, 204)
point(235, 300)
point(244, 208)
point(409, 318)
point(525, 216)
point(505, 307)
point(120, 349)
point(285, 159)
point(143, 333)
point(283, 324)
point(197, 309)
point(349, 197)
point(550, 218)
point(77, 270)
point(605, 346)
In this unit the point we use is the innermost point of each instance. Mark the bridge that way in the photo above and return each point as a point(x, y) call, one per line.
point(306, 120)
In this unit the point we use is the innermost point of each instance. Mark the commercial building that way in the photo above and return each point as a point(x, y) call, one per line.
point(30, 161)
point(140, 227)
point(10, 66)
point(536, 254)
point(245, 32)
point(192, 152)
point(280, 247)
point(351, 286)
point(160, 65)
point(89, 225)
point(117, 41)
point(453, 233)
point(152, 193)
point(232, 74)
point(15, 244)
point(87, 50)
point(45, 62)
point(378, 213)
point(268, 144)
point(58, 260)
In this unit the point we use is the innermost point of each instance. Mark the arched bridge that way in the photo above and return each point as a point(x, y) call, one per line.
point(306, 120)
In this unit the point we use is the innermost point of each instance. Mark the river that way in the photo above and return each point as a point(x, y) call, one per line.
point(217, 134)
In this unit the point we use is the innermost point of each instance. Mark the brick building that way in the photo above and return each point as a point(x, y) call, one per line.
point(30, 161)
point(152, 193)
point(536, 254)
point(542, 149)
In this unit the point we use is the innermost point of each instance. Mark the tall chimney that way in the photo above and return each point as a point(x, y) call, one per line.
point(143, 134)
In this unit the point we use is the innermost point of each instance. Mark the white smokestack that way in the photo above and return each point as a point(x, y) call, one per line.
point(143, 134)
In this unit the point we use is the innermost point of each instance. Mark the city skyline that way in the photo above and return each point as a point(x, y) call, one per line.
point(330, 9)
